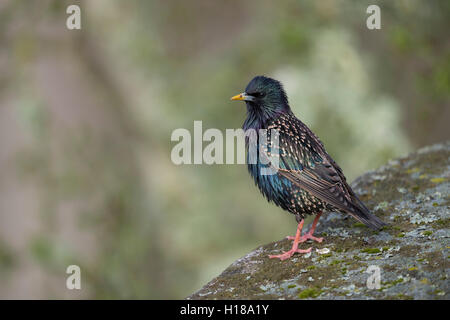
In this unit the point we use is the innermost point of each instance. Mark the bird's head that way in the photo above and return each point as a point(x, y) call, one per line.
point(264, 96)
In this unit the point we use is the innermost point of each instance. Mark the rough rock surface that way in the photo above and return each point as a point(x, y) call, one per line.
point(411, 194)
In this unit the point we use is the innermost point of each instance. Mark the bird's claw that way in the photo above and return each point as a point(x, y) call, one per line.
point(310, 236)
point(287, 254)
point(306, 237)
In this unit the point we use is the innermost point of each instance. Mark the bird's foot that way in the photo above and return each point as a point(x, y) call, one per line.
point(309, 235)
point(306, 237)
point(287, 254)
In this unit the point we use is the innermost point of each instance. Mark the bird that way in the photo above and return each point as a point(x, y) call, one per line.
point(307, 181)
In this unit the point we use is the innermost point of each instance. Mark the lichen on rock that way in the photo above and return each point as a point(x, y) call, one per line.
point(412, 252)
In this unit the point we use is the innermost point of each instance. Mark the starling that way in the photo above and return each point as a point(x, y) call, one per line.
point(307, 181)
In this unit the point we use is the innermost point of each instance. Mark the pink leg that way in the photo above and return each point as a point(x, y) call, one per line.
point(310, 233)
point(294, 249)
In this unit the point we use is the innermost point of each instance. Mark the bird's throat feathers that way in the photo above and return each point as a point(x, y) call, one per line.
point(258, 116)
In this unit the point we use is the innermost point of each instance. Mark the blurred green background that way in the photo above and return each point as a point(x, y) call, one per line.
point(86, 118)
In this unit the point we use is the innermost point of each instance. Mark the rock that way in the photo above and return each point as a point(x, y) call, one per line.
point(412, 253)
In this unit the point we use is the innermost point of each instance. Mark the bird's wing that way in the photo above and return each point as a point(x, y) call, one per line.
point(304, 161)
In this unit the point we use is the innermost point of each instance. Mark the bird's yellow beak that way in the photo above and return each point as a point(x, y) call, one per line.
point(242, 96)
point(239, 96)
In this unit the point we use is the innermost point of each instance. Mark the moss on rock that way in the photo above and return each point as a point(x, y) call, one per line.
point(412, 252)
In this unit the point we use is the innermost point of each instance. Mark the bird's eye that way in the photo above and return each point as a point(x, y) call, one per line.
point(257, 94)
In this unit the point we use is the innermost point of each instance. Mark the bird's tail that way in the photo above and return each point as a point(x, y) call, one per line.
point(363, 215)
